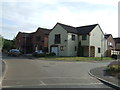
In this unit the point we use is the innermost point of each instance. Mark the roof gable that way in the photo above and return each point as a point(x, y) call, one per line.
point(78, 30)
point(107, 36)
point(44, 30)
point(86, 29)
point(69, 29)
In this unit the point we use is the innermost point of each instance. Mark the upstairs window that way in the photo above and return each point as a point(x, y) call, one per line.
point(57, 39)
point(84, 37)
point(73, 37)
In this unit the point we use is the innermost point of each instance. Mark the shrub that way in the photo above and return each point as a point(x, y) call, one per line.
point(51, 54)
point(113, 68)
point(114, 56)
point(41, 55)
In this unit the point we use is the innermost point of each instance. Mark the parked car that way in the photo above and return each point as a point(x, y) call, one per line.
point(37, 52)
point(14, 52)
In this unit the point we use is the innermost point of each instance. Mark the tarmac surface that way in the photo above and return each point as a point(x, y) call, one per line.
point(33, 73)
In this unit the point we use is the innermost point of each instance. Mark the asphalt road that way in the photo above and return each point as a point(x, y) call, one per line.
point(32, 73)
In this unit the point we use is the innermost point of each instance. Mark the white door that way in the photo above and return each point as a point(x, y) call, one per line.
point(55, 50)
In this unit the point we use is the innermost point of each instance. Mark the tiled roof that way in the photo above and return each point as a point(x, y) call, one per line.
point(68, 28)
point(45, 31)
point(86, 29)
point(107, 35)
point(117, 40)
point(78, 30)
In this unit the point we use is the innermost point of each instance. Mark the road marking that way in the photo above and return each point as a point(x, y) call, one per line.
point(42, 83)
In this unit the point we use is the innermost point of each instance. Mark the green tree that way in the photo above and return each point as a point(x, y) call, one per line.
point(8, 44)
point(79, 51)
point(1, 44)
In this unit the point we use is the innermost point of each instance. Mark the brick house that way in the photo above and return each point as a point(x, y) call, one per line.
point(24, 42)
point(29, 42)
point(117, 43)
point(110, 44)
point(40, 39)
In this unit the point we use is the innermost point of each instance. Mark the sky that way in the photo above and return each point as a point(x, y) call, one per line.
point(28, 15)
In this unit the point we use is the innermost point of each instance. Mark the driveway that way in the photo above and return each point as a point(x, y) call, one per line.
point(24, 72)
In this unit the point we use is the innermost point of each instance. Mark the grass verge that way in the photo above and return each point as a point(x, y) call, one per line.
point(76, 58)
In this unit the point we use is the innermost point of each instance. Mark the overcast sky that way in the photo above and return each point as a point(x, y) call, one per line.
point(28, 15)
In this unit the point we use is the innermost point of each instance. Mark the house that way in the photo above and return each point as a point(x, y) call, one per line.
point(29, 42)
point(24, 42)
point(117, 43)
point(110, 44)
point(117, 46)
point(64, 40)
point(40, 39)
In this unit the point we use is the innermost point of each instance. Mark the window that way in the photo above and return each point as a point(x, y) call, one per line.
point(84, 37)
point(75, 48)
point(38, 38)
point(57, 39)
point(73, 37)
point(98, 50)
point(110, 44)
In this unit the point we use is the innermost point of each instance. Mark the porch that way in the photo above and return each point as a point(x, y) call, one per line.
point(88, 51)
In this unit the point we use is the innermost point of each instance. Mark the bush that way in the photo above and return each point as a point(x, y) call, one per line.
point(51, 54)
point(39, 55)
point(113, 68)
point(114, 56)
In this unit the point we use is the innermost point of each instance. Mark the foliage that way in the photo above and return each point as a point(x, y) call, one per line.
point(1, 39)
point(8, 44)
point(51, 54)
point(114, 56)
point(113, 68)
point(41, 55)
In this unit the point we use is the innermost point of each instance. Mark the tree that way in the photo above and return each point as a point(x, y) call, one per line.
point(1, 44)
point(8, 44)
point(79, 51)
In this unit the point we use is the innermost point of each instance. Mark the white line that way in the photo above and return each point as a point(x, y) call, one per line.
point(42, 83)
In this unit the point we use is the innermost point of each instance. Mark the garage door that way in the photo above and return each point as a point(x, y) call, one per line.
point(55, 50)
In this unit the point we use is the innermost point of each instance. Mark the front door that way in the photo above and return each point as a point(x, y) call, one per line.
point(55, 50)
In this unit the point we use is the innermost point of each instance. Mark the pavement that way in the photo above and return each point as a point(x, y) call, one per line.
point(100, 74)
point(22, 72)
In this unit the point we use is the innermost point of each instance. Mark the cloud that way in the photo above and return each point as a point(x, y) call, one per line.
point(105, 2)
point(27, 16)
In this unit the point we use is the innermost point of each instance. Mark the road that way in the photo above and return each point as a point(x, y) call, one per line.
point(30, 73)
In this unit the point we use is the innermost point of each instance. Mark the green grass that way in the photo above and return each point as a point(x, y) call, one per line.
point(75, 58)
